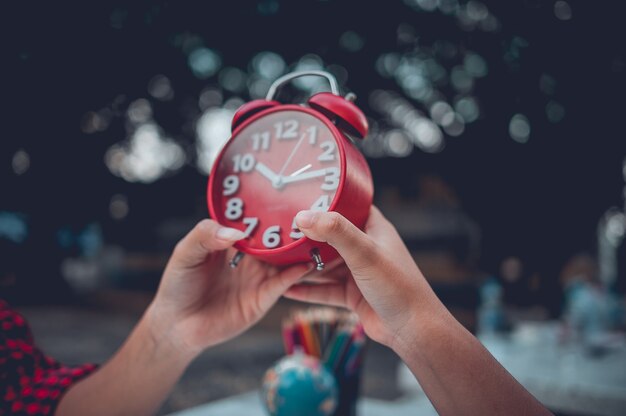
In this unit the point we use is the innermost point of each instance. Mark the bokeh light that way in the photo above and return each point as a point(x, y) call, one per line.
point(204, 62)
point(519, 128)
point(461, 79)
point(160, 88)
point(146, 157)
point(426, 135)
point(268, 65)
point(476, 10)
point(562, 10)
point(20, 162)
point(268, 7)
point(212, 131)
point(456, 125)
point(232, 79)
point(387, 63)
point(555, 111)
point(547, 84)
point(470, 16)
point(210, 97)
point(468, 108)
point(397, 143)
point(118, 207)
point(13, 227)
point(139, 111)
point(94, 122)
point(475, 65)
point(442, 113)
point(351, 41)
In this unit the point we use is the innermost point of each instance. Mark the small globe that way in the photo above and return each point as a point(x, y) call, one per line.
point(299, 385)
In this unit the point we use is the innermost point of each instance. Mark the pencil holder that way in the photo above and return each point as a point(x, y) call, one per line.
point(348, 394)
point(336, 338)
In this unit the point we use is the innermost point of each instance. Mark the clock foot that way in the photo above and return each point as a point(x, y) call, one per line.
point(317, 259)
point(236, 259)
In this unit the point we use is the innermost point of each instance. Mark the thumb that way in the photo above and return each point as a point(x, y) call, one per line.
point(357, 248)
point(206, 237)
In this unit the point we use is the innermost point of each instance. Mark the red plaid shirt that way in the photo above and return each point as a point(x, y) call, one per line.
point(30, 382)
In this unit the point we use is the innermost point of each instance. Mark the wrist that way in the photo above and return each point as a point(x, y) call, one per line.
point(165, 334)
point(424, 328)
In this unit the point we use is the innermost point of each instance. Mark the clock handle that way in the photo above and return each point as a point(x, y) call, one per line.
point(334, 87)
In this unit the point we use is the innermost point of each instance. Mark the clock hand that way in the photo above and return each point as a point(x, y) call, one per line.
point(304, 176)
point(291, 155)
point(267, 172)
point(302, 169)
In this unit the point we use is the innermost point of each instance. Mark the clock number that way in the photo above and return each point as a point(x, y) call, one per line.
point(286, 129)
point(312, 134)
point(243, 163)
point(331, 181)
point(261, 141)
point(251, 223)
point(329, 151)
point(296, 234)
point(321, 204)
point(271, 236)
point(234, 209)
point(231, 184)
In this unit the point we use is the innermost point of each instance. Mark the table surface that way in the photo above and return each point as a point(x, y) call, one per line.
point(249, 404)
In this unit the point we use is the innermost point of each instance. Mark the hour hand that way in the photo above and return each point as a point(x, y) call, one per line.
point(267, 172)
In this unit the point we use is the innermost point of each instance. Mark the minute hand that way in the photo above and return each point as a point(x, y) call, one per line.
point(304, 176)
point(267, 172)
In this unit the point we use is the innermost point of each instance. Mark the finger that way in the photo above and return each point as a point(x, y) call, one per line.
point(206, 237)
point(273, 287)
point(332, 294)
point(357, 249)
point(321, 279)
point(334, 275)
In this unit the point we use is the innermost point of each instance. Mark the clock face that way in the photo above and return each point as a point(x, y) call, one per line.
point(281, 163)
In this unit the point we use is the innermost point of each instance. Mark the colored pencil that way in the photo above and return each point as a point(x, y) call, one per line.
point(334, 336)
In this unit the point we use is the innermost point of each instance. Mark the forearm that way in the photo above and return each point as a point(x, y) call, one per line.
point(135, 381)
point(457, 373)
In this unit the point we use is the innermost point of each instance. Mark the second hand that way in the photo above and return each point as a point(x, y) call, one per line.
point(293, 152)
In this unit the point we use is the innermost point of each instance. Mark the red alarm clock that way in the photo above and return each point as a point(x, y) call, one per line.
point(284, 158)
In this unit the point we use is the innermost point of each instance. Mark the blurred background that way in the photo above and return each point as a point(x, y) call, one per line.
point(497, 146)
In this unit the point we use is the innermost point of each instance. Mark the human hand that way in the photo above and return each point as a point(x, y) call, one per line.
point(379, 280)
point(202, 301)
point(383, 285)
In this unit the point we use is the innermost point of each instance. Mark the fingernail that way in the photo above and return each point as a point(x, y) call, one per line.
point(229, 234)
point(305, 219)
